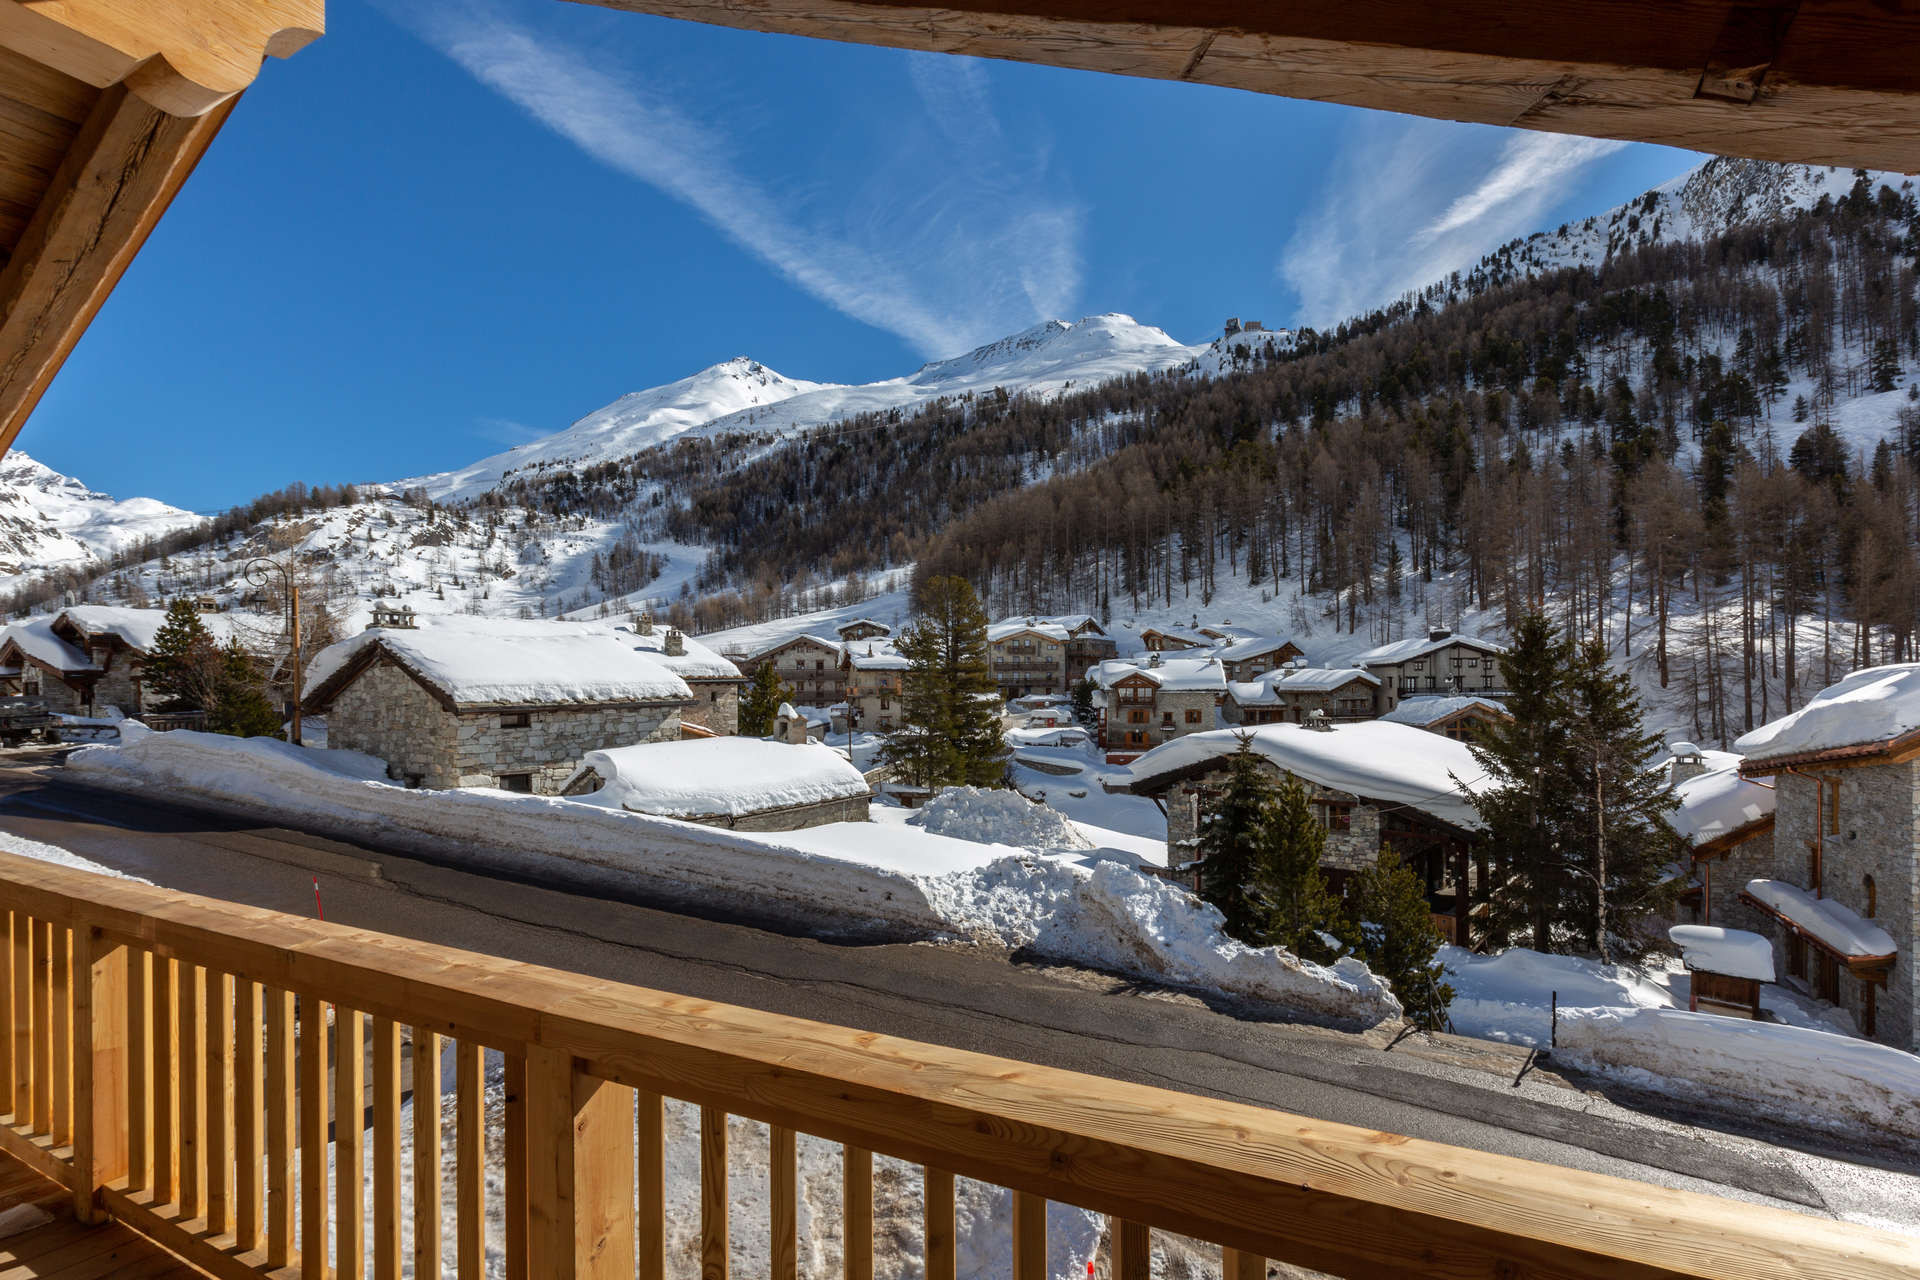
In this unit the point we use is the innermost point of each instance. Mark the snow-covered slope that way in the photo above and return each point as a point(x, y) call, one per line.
point(747, 397)
point(48, 520)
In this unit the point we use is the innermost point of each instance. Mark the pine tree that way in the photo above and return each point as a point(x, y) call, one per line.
point(1083, 709)
point(760, 704)
point(185, 666)
point(1299, 907)
point(951, 704)
point(241, 707)
point(1234, 839)
point(1885, 365)
point(1618, 839)
point(1531, 780)
point(1390, 925)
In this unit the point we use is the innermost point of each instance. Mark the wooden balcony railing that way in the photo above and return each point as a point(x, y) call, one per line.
point(170, 1061)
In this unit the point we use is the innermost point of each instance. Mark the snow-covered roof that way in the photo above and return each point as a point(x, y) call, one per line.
point(694, 662)
point(1425, 710)
point(1709, 758)
point(876, 656)
point(493, 661)
point(1252, 647)
point(1185, 635)
point(1420, 646)
point(709, 777)
point(1169, 673)
point(1861, 712)
point(1267, 688)
point(1734, 952)
point(1071, 621)
point(1005, 630)
point(137, 627)
point(824, 642)
point(851, 623)
point(1718, 803)
point(1833, 923)
point(37, 640)
point(1391, 762)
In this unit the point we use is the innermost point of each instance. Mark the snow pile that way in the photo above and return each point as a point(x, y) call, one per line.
point(867, 879)
point(1734, 952)
point(22, 847)
point(1110, 917)
point(1832, 922)
point(1509, 996)
point(1803, 1073)
point(714, 776)
point(998, 817)
point(478, 661)
point(1870, 706)
point(1719, 803)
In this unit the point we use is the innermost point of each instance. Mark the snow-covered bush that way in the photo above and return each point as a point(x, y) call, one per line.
point(998, 817)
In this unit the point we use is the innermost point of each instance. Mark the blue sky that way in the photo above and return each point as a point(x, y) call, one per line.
point(449, 227)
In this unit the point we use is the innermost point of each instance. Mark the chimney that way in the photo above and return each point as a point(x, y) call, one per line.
point(645, 625)
point(1688, 762)
point(1439, 633)
point(676, 644)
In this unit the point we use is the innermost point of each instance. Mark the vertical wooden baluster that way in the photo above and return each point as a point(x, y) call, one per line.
point(937, 1214)
point(349, 1144)
point(783, 1214)
point(191, 1010)
point(386, 1149)
point(23, 931)
point(579, 1172)
point(283, 1174)
point(166, 1082)
point(1235, 1265)
point(651, 1130)
point(247, 1132)
point(43, 1026)
point(217, 992)
point(313, 1138)
point(100, 1070)
point(713, 1194)
point(426, 1154)
point(139, 1071)
point(470, 1160)
point(515, 1172)
point(60, 993)
point(1029, 1236)
point(7, 926)
point(1132, 1250)
point(856, 1198)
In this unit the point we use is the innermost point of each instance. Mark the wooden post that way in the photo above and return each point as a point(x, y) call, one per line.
point(313, 1138)
point(218, 994)
point(23, 932)
point(514, 1176)
point(248, 1135)
point(937, 1212)
point(856, 1195)
point(386, 1149)
point(349, 1143)
point(100, 1069)
point(580, 1187)
point(783, 1210)
point(139, 1072)
point(651, 1128)
point(166, 1083)
point(283, 1139)
point(470, 1169)
point(7, 926)
point(1030, 1237)
point(60, 993)
point(715, 1230)
point(426, 1154)
point(1132, 1251)
point(1235, 1265)
point(190, 1007)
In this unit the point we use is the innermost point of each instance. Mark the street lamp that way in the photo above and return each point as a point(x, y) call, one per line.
point(258, 572)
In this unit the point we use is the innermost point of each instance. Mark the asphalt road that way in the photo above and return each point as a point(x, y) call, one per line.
point(1464, 1092)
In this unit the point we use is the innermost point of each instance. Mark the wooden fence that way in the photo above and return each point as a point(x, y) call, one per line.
point(176, 1061)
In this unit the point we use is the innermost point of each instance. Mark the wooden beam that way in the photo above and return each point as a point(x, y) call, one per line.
point(1830, 83)
point(183, 56)
point(126, 164)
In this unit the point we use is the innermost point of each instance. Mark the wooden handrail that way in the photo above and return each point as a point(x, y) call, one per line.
point(1262, 1183)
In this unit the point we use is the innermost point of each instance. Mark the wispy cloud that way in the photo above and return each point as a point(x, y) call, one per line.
point(944, 256)
point(1364, 243)
point(506, 431)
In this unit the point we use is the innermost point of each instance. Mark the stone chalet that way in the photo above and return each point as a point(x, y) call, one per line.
point(1841, 900)
point(1027, 658)
point(715, 682)
point(1142, 705)
point(1296, 694)
point(90, 657)
point(1439, 663)
point(1174, 639)
point(1372, 784)
point(872, 673)
point(1253, 657)
point(36, 663)
point(1458, 718)
point(1726, 820)
point(862, 629)
point(1087, 641)
point(466, 702)
point(743, 784)
point(808, 664)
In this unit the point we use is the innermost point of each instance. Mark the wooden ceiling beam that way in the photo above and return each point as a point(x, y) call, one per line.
point(123, 169)
point(1825, 81)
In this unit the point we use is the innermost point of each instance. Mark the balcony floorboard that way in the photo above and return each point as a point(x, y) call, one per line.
point(55, 1245)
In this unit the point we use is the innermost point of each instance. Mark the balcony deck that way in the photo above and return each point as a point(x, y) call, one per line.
point(40, 1239)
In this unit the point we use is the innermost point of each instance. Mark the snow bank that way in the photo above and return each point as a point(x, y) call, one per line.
point(1734, 952)
point(25, 848)
point(1509, 996)
point(1869, 706)
point(860, 878)
point(710, 776)
point(1805, 1074)
point(998, 817)
point(1832, 922)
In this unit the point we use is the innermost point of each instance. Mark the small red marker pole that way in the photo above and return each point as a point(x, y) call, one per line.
point(318, 910)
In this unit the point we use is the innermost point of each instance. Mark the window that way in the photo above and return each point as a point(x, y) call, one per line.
point(1419, 664)
point(1339, 816)
point(1193, 715)
point(820, 665)
point(521, 782)
point(1136, 716)
point(1473, 662)
point(1166, 718)
point(885, 705)
point(515, 719)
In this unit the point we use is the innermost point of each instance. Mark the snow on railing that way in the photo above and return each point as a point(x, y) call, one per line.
point(182, 1064)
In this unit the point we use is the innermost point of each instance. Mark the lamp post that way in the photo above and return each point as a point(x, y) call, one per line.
point(258, 572)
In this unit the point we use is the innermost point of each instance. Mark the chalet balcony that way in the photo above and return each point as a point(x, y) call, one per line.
point(176, 1064)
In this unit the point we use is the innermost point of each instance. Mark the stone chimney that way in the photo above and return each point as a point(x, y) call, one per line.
point(676, 644)
point(644, 626)
point(1439, 633)
point(1688, 762)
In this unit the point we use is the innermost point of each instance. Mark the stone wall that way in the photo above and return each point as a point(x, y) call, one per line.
point(1189, 799)
point(384, 712)
point(716, 706)
point(1749, 860)
point(553, 743)
point(60, 697)
point(1879, 825)
point(121, 685)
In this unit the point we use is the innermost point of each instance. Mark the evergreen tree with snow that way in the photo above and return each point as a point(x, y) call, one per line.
point(1233, 843)
point(184, 666)
point(760, 704)
point(241, 707)
point(1884, 368)
point(950, 704)
point(1389, 925)
point(1300, 909)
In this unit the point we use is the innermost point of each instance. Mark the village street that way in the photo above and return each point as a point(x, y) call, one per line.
point(1466, 1092)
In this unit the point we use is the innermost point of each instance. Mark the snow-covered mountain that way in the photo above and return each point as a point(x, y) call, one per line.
point(48, 520)
point(744, 396)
